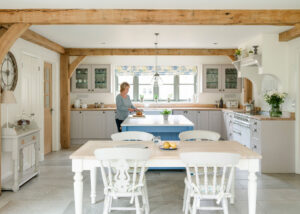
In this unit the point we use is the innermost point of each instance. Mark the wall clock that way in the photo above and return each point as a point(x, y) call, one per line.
point(9, 72)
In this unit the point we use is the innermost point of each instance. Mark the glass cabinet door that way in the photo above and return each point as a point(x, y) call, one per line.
point(101, 78)
point(231, 81)
point(211, 78)
point(81, 79)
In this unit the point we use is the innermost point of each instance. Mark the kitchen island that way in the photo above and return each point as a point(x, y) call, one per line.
point(156, 125)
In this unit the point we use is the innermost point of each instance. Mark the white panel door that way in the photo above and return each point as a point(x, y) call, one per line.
point(32, 100)
point(215, 121)
point(202, 120)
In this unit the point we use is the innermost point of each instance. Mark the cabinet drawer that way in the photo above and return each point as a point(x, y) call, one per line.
point(24, 141)
point(255, 145)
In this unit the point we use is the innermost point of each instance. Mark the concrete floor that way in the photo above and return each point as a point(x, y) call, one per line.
point(52, 192)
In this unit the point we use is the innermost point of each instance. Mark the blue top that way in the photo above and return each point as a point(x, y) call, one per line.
point(123, 104)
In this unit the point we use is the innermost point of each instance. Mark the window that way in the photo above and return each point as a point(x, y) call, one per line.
point(186, 87)
point(145, 87)
point(179, 82)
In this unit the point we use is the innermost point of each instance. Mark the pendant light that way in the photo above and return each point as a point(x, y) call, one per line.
point(156, 79)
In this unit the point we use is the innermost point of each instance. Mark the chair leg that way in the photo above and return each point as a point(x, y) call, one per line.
point(232, 198)
point(184, 198)
point(187, 202)
point(225, 205)
point(137, 205)
point(194, 208)
point(110, 204)
point(106, 205)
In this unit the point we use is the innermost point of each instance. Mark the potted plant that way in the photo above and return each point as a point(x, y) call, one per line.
point(275, 99)
point(166, 114)
point(155, 97)
point(142, 98)
point(237, 54)
point(170, 97)
point(251, 53)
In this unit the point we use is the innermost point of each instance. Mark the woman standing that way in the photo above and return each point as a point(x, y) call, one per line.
point(124, 105)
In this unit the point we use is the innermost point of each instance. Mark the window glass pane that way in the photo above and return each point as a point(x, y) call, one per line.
point(147, 91)
point(186, 79)
point(166, 91)
point(186, 92)
point(167, 79)
point(128, 79)
point(81, 78)
point(145, 79)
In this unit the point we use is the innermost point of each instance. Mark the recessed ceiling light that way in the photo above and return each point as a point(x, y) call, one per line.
point(102, 43)
point(215, 43)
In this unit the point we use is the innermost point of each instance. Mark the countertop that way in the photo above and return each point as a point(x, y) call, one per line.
point(157, 120)
point(286, 115)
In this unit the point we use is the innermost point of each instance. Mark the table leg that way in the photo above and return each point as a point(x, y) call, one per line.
point(93, 175)
point(78, 185)
point(252, 191)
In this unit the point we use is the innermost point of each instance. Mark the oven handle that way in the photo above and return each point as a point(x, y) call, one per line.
point(239, 133)
point(241, 124)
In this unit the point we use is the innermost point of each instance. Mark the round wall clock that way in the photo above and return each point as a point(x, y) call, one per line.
point(9, 72)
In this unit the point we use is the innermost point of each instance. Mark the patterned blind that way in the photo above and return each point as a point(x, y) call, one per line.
point(150, 70)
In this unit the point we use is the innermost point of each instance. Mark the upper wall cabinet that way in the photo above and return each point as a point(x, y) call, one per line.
point(221, 78)
point(91, 78)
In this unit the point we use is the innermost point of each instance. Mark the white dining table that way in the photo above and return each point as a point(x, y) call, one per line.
point(84, 159)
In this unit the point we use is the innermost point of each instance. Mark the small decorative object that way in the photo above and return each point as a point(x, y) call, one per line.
point(156, 97)
point(9, 73)
point(275, 99)
point(142, 98)
point(166, 114)
point(221, 103)
point(250, 53)
point(168, 146)
point(237, 54)
point(169, 98)
point(255, 47)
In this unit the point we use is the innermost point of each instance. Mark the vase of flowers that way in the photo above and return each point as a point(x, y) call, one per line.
point(166, 114)
point(275, 99)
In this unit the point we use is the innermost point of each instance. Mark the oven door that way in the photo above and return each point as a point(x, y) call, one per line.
point(241, 133)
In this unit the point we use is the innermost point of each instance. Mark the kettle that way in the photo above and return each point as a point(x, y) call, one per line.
point(77, 103)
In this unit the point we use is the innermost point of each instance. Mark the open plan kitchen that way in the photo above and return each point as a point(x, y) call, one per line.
point(150, 107)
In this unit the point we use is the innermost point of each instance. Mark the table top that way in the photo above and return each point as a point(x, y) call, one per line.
point(157, 120)
point(87, 150)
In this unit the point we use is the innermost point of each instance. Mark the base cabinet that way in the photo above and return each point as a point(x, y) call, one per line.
point(92, 124)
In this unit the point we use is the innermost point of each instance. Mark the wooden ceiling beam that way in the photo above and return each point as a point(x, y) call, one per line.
point(147, 51)
point(290, 34)
point(149, 17)
point(40, 40)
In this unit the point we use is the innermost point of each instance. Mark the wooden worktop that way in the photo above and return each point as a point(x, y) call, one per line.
point(87, 150)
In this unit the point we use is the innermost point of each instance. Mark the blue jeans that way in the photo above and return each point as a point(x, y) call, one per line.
point(119, 122)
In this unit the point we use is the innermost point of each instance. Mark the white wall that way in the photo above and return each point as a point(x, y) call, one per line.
point(20, 48)
point(108, 98)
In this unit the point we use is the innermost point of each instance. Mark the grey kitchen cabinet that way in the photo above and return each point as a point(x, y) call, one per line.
point(202, 120)
point(93, 124)
point(111, 126)
point(76, 127)
point(215, 121)
point(91, 78)
point(221, 79)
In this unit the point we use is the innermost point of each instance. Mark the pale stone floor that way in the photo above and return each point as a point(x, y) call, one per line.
point(52, 192)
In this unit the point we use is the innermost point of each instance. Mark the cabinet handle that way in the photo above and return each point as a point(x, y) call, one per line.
point(80, 112)
point(254, 130)
point(185, 112)
point(93, 89)
point(89, 89)
point(33, 137)
point(23, 142)
point(239, 133)
point(255, 123)
point(254, 147)
point(220, 90)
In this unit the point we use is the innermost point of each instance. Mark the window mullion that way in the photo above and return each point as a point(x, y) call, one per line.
point(135, 88)
point(176, 87)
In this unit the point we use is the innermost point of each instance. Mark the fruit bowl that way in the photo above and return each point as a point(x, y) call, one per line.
point(168, 146)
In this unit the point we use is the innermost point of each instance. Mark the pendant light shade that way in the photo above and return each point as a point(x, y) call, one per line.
point(156, 79)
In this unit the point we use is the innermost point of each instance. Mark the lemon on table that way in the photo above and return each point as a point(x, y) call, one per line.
point(173, 145)
point(166, 145)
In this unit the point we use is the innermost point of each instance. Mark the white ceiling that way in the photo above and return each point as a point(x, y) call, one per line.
point(152, 4)
point(142, 36)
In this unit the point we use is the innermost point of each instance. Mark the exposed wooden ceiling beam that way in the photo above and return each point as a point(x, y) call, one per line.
point(158, 17)
point(150, 51)
point(38, 39)
point(290, 34)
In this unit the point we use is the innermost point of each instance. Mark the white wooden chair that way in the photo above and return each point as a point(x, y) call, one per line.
point(132, 136)
point(202, 185)
point(115, 164)
point(199, 135)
